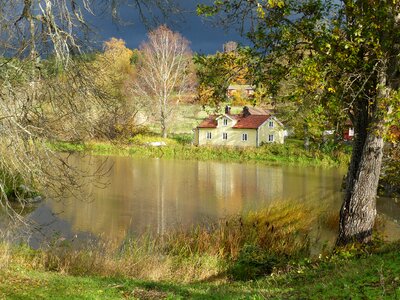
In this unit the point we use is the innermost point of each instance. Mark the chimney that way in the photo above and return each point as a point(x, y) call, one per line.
point(227, 110)
point(246, 111)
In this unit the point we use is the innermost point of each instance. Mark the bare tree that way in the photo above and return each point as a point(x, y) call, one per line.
point(45, 94)
point(163, 73)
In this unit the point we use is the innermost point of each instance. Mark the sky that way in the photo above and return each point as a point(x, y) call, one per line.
point(203, 36)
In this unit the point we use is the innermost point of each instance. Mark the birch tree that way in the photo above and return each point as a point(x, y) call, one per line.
point(163, 73)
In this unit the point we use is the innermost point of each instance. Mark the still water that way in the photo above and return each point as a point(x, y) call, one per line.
point(155, 195)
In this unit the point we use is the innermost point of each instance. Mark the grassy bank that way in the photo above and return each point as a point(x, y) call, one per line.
point(372, 273)
point(259, 255)
point(291, 153)
point(238, 247)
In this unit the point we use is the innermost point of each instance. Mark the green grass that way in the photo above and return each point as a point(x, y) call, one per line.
point(179, 147)
point(259, 255)
point(363, 275)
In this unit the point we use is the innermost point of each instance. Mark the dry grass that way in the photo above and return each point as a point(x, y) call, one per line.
point(281, 229)
point(183, 255)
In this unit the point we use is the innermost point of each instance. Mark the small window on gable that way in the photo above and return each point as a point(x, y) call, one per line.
point(244, 137)
point(224, 135)
point(225, 122)
point(208, 135)
point(271, 124)
point(270, 138)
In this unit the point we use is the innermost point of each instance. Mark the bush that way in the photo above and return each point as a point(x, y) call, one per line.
point(185, 139)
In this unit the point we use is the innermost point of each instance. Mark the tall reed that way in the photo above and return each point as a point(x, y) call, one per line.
point(282, 231)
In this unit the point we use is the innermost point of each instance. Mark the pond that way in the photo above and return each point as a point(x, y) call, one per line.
point(156, 195)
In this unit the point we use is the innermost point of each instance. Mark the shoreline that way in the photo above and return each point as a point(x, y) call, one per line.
point(287, 154)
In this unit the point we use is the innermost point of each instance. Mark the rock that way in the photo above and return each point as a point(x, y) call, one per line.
point(157, 144)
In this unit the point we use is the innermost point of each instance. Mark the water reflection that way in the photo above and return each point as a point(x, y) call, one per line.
point(156, 195)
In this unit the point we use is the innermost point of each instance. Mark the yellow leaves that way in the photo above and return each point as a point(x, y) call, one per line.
point(204, 93)
point(276, 3)
point(260, 11)
point(331, 90)
point(271, 4)
point(113, 66)
point(328, 48)
point(117, 53)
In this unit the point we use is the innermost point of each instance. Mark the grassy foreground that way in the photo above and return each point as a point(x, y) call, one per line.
point(179, 147)
point(259, 255)
point(345, 275)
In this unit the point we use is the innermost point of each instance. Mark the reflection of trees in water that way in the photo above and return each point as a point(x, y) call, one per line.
point(155, 195)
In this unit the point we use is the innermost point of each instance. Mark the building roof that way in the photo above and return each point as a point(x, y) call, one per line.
point(210, 122)
point(251, 121)
point(251, 118)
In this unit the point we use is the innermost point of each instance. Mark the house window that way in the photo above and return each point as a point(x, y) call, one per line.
point(271, 124)
point(244, 137)
point(270, 138)
point(225, 122)
point(224, 135)
point(208, 135)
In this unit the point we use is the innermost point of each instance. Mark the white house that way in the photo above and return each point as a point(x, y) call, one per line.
point(251, 128)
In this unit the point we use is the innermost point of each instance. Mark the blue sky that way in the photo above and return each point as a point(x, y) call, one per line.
point(203, 36)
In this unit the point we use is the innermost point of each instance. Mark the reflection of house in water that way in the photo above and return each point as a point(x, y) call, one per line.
point(156, 195)
point(270, 183)
point(240, 187)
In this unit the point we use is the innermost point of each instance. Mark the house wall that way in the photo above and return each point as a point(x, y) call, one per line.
point(277, 131)
point(234, 137)
point(230, 122)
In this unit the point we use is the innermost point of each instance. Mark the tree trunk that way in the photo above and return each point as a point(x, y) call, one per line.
point(358, 212)
point(164, 129)
point(164, 133)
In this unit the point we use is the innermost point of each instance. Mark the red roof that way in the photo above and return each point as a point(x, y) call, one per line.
point(251, 121)
point(244, 121)
point(210, 122)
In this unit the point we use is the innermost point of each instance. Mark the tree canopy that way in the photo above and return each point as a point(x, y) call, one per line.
point(163, 73)
point(349, 50)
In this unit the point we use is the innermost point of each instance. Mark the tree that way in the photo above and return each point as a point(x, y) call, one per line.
point(354, 44)
point(163, 73)
point(48, 91)
point(115, 73)
point(217, 71)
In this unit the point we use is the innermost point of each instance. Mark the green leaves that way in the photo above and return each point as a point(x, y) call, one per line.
point(216, 72)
